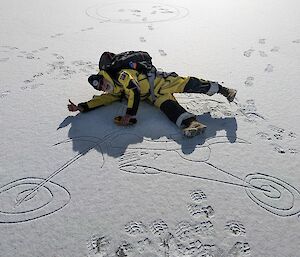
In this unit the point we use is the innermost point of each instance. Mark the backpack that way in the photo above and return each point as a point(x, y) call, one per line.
point(137, 60)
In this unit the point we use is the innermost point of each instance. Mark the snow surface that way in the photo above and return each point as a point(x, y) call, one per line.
point(77, 185)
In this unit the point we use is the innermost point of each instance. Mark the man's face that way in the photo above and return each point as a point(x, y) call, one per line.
point(105, 86)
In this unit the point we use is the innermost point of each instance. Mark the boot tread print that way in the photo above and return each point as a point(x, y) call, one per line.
point(195, 128)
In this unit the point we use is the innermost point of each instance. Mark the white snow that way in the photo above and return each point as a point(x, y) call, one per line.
point(146, 191)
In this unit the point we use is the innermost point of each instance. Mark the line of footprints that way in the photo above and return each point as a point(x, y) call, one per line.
point(55, 68)
point(263, 51)
point(144, 40)
point(277, 137)
point(194, 237)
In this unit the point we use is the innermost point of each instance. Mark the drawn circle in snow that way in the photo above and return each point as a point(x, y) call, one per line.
point(278, 197)
point(136, 12)
point(49, 198)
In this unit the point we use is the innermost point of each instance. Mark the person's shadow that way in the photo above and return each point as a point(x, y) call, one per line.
point(96, 130)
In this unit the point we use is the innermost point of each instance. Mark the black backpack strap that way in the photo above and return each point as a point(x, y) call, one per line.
point(151, 77)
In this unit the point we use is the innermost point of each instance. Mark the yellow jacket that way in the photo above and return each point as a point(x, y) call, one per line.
point(135, 86)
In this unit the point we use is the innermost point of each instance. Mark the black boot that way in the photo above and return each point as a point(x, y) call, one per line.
point(229, 93)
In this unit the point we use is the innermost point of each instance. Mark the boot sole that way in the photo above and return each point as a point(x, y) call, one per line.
point(232, 96)
point(192, 132)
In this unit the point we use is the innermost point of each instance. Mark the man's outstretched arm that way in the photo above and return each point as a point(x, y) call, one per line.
point(95, 102)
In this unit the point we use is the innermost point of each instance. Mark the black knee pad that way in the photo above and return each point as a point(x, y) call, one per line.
point(196, 85)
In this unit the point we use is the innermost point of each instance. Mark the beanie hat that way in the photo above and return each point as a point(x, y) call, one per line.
point(94, 80)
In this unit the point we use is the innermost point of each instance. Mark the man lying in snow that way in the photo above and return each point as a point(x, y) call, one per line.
point(157, 88)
